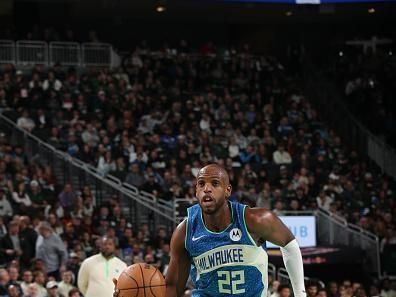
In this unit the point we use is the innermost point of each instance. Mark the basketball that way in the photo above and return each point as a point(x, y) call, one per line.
point(141, 280)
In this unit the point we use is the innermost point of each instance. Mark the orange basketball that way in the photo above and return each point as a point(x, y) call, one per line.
point(141, 280)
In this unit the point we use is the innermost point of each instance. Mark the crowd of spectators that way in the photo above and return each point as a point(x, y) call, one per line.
point(47, 230)
point(153, 123)
point(29, 267)
point(157, 120)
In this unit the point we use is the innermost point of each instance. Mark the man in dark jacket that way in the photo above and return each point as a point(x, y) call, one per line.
point(10, 244)
point(27, 238)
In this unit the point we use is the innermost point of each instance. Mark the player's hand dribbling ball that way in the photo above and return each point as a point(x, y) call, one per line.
point(140, 280)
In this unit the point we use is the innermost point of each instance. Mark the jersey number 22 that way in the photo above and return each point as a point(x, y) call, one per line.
point(229, 281)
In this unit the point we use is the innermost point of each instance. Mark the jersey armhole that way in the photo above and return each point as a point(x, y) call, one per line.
point(246, 228)
point(186, 235)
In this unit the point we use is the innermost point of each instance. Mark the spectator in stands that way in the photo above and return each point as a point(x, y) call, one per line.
point(92, 281)
point(51, 249)
point(25, 122)
point(135, 177)
point(374, 291)
point(312, 289)
point(55, 223)
point(273, 289)
point(281, 156)
point(74, 293)
point(389, 239)
point(152, 186)
point(387, 290)
point(333, 289)
point(3, 228)
point(27, 279)
point(27, 237)
point(33, 291)
point(66, 285)
point(21, 199)
point(73, 263)
point(322, 293)
point(13, 291)
point(13, 273)
point(4, 279)
point(39, 201)
point(284, 291)
point(39, 283)
point(323, 200)
point(52, 83)
point(52, 289)
point(11, 243)
point(67, 197)
point(106, 163)
point(5, 206)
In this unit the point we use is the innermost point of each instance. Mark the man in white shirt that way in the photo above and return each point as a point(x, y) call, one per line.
point(25, 122)
point(97, 272)
point(323, 200)
point(281, 156)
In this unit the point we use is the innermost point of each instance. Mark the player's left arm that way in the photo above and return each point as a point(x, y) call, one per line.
point(266, 225)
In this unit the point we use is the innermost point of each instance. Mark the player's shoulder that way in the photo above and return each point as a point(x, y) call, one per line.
point(258, 217)
point(181, 229)
point(179, 234)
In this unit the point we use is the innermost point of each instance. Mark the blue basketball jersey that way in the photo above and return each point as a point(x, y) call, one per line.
point(227, 263)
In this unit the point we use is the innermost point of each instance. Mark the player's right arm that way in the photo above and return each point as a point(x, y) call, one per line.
point(179, 265)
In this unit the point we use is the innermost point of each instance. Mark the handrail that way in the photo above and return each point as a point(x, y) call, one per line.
point(141, 197)
point(272, 270)
point(114, 179)
point(351, 227)
point(358, 134)
point(130, 188)
point(282, 274)
point(31, 52)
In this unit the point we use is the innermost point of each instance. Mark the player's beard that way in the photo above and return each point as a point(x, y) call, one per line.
point(212, 207)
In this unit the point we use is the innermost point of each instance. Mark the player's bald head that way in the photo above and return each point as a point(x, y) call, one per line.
point(214, 170)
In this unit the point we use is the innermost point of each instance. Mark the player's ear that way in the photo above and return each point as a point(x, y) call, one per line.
point(229, 190)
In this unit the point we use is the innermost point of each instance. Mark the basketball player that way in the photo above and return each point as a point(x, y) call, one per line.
point(220, 243)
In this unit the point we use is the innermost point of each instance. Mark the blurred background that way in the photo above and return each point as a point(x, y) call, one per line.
point(109, 109)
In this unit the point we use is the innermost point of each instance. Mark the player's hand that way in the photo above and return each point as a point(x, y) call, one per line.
point(116, 291)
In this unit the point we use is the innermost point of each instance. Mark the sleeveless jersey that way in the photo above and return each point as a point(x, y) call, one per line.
point(227, 263)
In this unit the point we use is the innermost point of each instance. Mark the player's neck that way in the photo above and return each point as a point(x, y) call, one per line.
point(219, 220)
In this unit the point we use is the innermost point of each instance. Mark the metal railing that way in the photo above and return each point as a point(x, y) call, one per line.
point(7, 51)
point(31, 52)
point(96, 54)
point(66, 53)
point(272, 270)
point(144, 207)
point(25, 53)
point(383, 154)
point(180, 206)
point(283, 276)
point(139, 207)
point(336, 113)
point(335, 230)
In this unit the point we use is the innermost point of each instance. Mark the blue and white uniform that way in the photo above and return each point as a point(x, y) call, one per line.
point(227, 263)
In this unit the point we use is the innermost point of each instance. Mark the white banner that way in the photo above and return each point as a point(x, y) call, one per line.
point(303, 229)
